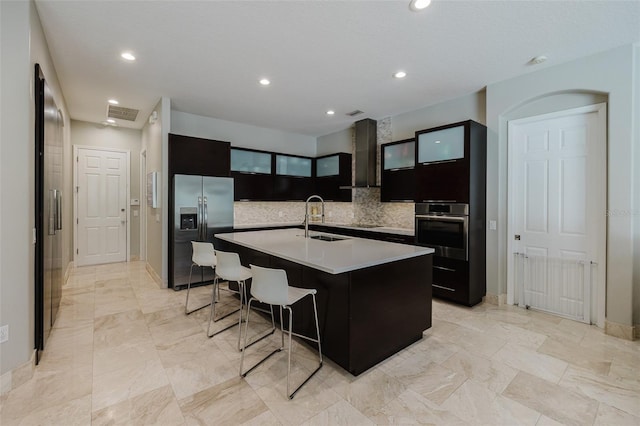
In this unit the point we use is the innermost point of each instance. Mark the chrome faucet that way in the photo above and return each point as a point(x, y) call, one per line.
point(306, 213)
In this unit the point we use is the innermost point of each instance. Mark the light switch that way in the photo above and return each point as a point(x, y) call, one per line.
point(492, 225)
point(135, 201)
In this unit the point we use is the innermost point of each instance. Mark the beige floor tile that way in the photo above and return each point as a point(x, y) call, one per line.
point(368, 392)
point(229, 403)
point(526, 359)
point(158, 407)
point(118, 357)
point(411, 408)
point(575, 355)
point(130, 381)
point(200, 372)
point(473, 341)
point(340, 413)
point(266, 418)
point(476, 404)
point(71, 413)
point(494, 375)
point(130, 333)
point(621, 394)
point(518, 335)
point(554, 401)
point(608, 415)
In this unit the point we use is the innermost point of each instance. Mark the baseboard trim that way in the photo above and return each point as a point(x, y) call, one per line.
point(18, 376)
point(154, 275)
point(67, 272)
point(134, 258)
point(623, 331)
point(496, 299)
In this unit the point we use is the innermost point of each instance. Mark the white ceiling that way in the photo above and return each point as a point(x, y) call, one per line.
point(207, 56)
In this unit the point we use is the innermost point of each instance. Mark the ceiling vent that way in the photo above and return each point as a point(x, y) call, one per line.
point(354, 113)
point(122, 113)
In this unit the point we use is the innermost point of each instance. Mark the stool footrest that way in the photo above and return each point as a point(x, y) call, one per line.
point(306, 380)
point(196, 309)
point(261, 361)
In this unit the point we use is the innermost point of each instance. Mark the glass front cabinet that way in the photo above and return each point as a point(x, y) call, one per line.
point(398, 171)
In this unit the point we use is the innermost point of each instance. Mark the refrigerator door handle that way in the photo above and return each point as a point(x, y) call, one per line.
point(58, 210)
point(200, 218)
point(53, 205)
point(205, 221)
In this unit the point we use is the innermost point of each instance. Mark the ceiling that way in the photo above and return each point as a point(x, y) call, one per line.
point(207, 56)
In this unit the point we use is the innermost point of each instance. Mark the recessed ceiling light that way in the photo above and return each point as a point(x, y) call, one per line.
point(331, 112)
point(265, 81)
point(417, 5)
point(113, 102)
point(111, 120)
point(400, 74)
point(437, 141)
point(128, 56)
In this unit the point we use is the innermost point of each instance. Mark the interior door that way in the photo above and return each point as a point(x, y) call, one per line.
point(101, 206)
point(557, 199)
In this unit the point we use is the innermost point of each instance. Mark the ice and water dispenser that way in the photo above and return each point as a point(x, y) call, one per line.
point(188, 218)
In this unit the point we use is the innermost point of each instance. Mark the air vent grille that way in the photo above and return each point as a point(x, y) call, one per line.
point(354, 113)
point(122, 113)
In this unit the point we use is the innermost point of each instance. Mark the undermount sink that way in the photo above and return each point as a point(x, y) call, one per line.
point(327, 238)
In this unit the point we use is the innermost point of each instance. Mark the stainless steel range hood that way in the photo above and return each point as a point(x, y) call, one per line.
point(366, 152)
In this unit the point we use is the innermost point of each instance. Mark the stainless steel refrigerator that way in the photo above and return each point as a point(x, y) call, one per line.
point(202, 207)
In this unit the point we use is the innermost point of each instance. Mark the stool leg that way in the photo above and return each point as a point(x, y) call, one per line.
point(186, 304)
point(281, 327)
point(289, 355)
point(213, 303)
point(315, 311)
point(241, 289)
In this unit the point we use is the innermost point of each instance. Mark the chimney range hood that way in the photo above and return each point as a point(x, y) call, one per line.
point(365, 153)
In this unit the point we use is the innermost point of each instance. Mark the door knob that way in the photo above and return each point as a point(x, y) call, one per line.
point(516, 237)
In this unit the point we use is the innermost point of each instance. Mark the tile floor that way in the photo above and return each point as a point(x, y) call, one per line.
point(122, 352)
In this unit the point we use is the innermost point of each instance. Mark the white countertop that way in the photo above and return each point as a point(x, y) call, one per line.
point(334, 257)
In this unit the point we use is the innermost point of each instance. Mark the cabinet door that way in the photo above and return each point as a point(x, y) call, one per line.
point(442, 182)
point(441, 145)
point(197, 156)
point(398, 185)
point(287, 165)
point(292, 188)
point(252, 187)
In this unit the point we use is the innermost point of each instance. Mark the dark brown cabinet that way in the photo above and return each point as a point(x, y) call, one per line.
point(293, 180)
point(252, 175)
point(451, 168)
point(332, 179)
point(196, 156)
point(398, 171)
point(451, 163)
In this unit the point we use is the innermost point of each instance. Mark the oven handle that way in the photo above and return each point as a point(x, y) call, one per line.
point(445, 218)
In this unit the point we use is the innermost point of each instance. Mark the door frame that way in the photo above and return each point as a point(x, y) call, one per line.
point(598, 294)
point(127, 207)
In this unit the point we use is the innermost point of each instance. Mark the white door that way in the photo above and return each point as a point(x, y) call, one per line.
point(557, 181)
point(101, 206)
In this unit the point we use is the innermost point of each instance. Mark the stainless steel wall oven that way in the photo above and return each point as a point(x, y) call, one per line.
point(443, 227)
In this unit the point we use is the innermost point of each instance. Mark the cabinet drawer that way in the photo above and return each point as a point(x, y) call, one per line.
point(451, 279)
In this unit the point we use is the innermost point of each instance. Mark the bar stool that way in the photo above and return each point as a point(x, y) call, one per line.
point(228, 269)
point(203, 255)
point(272, 287)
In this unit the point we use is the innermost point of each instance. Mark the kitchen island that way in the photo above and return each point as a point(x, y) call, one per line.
point(374, 297)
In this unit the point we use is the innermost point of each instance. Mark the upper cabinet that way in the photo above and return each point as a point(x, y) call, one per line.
point(441, 145)
point(251, 171)
point(248, 161)
point(398, 171)
point(197, 156)
point(293, 180)
point(451, 163)
point(289, 165)
point(333, 177)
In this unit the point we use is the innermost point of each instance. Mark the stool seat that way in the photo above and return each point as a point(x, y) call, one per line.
point(228, 269)
point(203, 255)
point(272, 287)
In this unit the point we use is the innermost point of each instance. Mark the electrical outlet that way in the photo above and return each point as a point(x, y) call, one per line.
point(4, 333)
point(492, 225)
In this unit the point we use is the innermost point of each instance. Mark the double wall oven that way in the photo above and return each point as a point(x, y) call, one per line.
point(445, 228)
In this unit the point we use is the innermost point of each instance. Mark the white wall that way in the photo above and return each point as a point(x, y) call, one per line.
point(341, 141)
point(152, 143)
point(469, 107)
point(100, 136)
point(242, 135)
point(609, 73)
point(636, 190)
point(22, 45)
